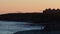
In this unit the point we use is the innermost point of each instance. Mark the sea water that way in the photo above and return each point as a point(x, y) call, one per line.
point(9, 27)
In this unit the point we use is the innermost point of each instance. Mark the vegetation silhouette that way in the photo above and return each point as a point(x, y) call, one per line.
point(49, 18)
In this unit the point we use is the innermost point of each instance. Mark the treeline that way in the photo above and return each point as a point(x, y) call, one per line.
point(30, 17)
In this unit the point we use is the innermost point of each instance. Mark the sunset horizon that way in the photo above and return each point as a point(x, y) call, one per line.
point(11, 6)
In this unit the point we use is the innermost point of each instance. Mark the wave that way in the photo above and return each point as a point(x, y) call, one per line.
point(7, 27)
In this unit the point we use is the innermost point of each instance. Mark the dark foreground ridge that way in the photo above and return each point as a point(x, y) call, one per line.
point(50, 18)
point(29, 32)
point(36, 32)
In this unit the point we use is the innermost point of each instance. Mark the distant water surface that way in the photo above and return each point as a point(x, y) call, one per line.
point(7, 27)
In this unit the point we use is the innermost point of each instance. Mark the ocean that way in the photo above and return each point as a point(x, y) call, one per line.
point(10, 27)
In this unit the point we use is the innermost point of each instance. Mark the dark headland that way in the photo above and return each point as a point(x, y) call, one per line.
point(50, 18)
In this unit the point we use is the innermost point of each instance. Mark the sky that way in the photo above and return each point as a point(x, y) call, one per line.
point(7, 6)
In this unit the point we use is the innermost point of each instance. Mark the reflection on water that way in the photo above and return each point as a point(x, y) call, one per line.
point(7, 27)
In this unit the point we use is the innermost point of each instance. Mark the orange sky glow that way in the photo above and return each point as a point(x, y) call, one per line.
point(7, 6)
